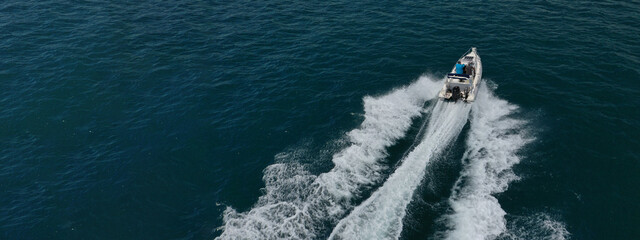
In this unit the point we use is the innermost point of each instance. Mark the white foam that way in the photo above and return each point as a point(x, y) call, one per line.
point(298, 204)
point(535, 226)
point(492, 145)
point(380, 216)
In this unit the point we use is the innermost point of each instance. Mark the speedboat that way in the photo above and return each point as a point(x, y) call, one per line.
point(463, 86)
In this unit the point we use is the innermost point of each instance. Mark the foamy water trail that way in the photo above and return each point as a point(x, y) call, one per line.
point(298, 205)
point(538, 226)
point(494, 139)
point(380, 216)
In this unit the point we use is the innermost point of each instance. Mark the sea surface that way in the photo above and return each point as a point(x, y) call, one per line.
point(318, 119)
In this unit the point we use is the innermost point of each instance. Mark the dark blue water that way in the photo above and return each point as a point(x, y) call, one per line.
point(285, 119)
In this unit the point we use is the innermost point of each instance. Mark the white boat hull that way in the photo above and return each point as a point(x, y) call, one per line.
point(463, 86)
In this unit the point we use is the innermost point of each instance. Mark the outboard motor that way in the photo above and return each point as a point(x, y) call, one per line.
point(455, 93)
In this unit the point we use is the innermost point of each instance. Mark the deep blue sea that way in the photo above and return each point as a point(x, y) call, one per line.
point(315, 120)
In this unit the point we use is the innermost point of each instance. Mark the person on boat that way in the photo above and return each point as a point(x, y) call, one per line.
point(468, 69)
point(459, 68)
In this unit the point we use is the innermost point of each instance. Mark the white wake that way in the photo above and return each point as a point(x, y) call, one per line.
point(380, 216)
point(299, 205)
point(494, 139)
point(538, 226)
